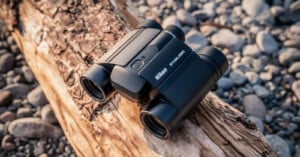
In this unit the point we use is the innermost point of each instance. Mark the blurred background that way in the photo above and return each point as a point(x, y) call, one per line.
point(260, 38)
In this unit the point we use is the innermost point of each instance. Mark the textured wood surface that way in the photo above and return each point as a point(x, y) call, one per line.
point(60, 41)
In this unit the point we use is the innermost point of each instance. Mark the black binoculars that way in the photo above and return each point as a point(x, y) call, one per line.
point(154, 67)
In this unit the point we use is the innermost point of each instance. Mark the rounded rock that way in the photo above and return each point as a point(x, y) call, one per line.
point(225, 83)
point(18, 89)
point(185, 17)
point(226, 38)
point(36, 97)
point(294, 68)
point(254, 106)
point(261, 91)
point(171, 20)
point(6, 62)
point(6, 98)
point(266, 42)
point(48, 115)
point(196, 40)
point(289, 55)
point(33, 128)
point(7, 143)
point(278, 145)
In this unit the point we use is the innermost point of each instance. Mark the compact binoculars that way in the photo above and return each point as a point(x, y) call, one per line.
point(154, 67)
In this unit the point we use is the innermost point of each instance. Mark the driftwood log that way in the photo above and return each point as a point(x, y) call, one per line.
point(60, 41)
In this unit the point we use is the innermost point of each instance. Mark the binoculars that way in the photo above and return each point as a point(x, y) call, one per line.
point(154, 67)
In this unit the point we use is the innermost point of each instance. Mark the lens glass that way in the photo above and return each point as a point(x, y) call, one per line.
point(155, 126)
point(93, 90)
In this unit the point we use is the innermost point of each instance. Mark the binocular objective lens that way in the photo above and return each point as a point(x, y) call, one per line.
point(92, 89)
point(154, 126)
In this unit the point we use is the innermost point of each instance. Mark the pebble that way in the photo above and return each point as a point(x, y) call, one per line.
point(258, 122)
point(266, 42)
point(258, 9)
point(28, 75)
point(7, 143)
point(289, 55)
point(18, 89)
point(6, 98)
point(171, 20)
point(225, 83)
point(196, 40)
point(277, 10)
point(6, 62)
point(265, 76)
point(294, 32)
point(36, 97)
point(48, 115)
point(7, 116)
point(33, 128)
point(295, 67)
point(278, 145)
point(208, 30)
point(226, 38)
point(296, 89)
point(24, 112)
point(154, 3)
point(254, 106)
point(261, 91)
point(275, 70)
point(238, 77)
point(39, 148)
point(251, 50)
point(185, 17)
point(252, 77)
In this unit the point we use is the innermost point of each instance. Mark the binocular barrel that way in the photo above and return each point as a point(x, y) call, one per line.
point(182, 92)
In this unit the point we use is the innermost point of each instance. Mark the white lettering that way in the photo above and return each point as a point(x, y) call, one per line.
point(160, 74)
point(177, 58)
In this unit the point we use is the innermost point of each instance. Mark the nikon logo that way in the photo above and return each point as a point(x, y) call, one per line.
point(160, 74)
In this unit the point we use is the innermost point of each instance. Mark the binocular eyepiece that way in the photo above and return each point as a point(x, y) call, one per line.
point(154, 67)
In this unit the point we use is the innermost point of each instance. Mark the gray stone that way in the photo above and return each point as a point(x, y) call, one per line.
point(171, 20)
point(254, 106)
point(225, 83)
point(258, 9)
point(294, 32)
point(154, 2)
point(294, 68)
point(7, 143)
point(252, 77)
point(18, 89)
point(185, 17)
point(40, 148)
point(266, 42)
point(261, 91)
point(7, 116)
point(48, 115)
point(251, 50)
point(296, 89)
point(6, 62)
point(28, 75)
point(24, 112)
point(190, 5)
point(275, 70)
point(238, 77)
point(277, 10)
point(208, 30)
point(226, 38)
point(6, 98)
point(196, 40)
point(258, 122)
point(278, 145)
point(265, 76)
point(33, 128)
point(289, 55)
point(36, 97)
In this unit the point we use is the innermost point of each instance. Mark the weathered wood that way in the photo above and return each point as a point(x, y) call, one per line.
point(61, 39)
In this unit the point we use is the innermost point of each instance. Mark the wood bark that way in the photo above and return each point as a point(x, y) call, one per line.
point(60, 41)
